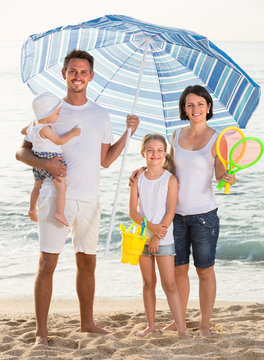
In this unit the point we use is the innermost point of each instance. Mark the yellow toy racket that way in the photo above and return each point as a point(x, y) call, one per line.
point(226, 162)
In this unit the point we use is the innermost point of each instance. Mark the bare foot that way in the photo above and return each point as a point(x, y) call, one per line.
point(41, 340)
point(95, 330)
point(171, 327)
point(33, 215)
point(143, 333)
point(61, 218)
point(183, 335)
point(204, 332)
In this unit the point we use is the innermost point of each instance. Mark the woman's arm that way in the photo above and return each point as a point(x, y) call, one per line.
point(220, 171)
point(171, 200)
point(172, 142)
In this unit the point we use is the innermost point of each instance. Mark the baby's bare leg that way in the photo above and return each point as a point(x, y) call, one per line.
point(60, 201)
point(34, 199)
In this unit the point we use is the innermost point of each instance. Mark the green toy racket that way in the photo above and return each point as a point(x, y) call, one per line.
point(234, 166)
point(232, 135)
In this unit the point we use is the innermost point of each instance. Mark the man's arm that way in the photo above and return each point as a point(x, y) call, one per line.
point(109, 153)
point(54, 165)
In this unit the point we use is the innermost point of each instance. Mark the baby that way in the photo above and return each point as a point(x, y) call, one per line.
point(47, 144)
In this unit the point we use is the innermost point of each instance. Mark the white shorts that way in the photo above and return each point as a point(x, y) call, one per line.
point(83, 218)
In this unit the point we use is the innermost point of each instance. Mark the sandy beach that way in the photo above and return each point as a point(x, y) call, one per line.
point(237, 332)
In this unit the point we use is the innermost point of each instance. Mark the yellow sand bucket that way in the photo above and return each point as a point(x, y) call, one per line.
point(133, 243)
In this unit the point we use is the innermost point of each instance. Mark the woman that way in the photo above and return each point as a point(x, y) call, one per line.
point(196, 223)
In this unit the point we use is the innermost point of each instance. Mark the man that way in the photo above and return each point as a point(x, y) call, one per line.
point(83, 158)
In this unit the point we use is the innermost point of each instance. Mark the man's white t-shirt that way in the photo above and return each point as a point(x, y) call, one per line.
point(82, 154)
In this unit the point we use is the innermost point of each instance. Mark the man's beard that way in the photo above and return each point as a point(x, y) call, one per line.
point(78, 90)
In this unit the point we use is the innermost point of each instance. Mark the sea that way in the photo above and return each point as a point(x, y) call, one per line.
point(240, 253)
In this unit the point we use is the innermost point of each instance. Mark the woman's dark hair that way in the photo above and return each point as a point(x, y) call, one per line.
point(199, 91)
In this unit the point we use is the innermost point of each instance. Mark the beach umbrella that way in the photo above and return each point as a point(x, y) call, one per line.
point(142, 68)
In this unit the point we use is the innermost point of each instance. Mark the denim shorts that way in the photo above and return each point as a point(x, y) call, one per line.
point(199, 232)
point(164, 250)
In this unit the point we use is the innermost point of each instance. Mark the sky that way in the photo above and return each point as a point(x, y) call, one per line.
point(219, 20)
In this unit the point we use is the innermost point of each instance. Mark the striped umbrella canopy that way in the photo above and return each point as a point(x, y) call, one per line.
point(174, 59)
point(142, 68)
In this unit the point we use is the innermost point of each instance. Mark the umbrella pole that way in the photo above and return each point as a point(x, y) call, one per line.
point(147, 43)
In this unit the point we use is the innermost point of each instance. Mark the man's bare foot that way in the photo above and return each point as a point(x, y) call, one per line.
point(33, 215)
point(204, 332)
point(145, 332)
point(183, 335)
point(61, 218)
point(41, 340)
point(171, 327)
point(95, 330)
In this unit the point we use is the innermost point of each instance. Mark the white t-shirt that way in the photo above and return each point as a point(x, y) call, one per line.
point(41, 144)
point(82, 154)
point(153, 203)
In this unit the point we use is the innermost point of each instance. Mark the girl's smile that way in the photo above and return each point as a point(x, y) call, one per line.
point(154, 152)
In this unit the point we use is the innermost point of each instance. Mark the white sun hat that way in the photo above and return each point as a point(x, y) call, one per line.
point(45, 104)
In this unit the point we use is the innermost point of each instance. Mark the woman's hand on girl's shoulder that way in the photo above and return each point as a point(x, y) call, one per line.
point(135, 175)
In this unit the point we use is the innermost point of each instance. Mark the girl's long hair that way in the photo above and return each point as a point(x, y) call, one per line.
point(168, 163)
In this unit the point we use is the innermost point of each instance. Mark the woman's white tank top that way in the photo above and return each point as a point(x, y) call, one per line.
point(194, 172)
point(153, 202)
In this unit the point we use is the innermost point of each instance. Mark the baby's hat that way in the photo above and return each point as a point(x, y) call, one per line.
point(45, 104)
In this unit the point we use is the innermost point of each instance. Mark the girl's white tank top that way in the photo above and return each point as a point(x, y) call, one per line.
point(194, 172)
point(153, 202)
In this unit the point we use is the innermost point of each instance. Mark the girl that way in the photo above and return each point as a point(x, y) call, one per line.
point(155, 193)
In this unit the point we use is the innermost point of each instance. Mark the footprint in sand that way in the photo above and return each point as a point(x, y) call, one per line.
point(120, 317)
point(56, 341)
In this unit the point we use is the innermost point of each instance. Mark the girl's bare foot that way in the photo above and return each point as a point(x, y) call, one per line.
point(61, 218)
point(41, 340)
point(204, 332)
point(33, 215)
point(143, 333)
point(171, 327)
